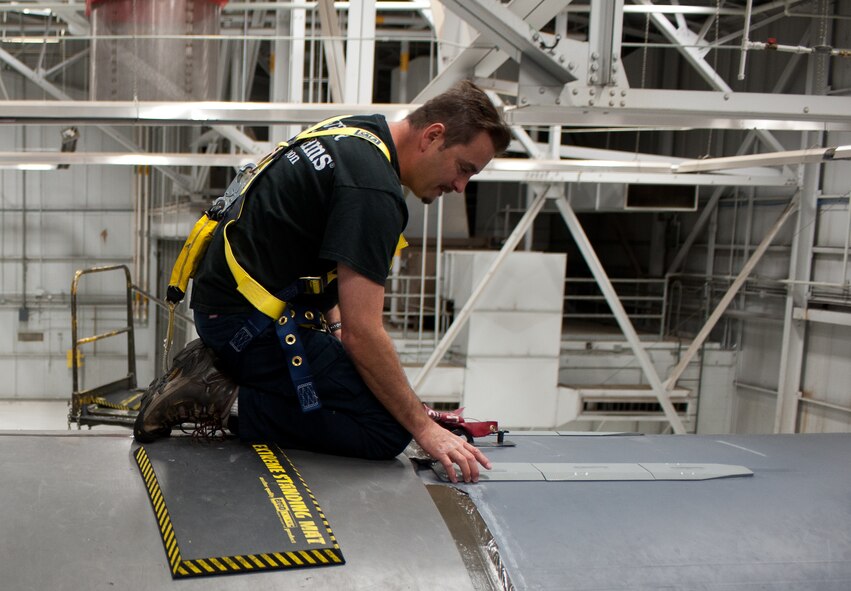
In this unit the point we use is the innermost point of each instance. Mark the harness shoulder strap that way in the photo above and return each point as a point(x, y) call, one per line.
point(352, 132)
point(259, 297)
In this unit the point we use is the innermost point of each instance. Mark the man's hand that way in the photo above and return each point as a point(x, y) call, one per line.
point(371, 350)
point(448, 448)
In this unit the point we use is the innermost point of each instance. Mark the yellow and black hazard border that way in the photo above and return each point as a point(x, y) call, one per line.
point(181, 567)
point(318, 509)
point(132, 402)
point(115, 401)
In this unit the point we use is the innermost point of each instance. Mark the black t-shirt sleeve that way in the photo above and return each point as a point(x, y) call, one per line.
point(363, 230)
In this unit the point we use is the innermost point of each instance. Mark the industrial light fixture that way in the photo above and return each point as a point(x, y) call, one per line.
point(30, 166)
point(33, 40)
point(69, 135)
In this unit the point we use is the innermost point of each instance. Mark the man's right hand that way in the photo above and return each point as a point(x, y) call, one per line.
point(448, 449)
point(373, 353)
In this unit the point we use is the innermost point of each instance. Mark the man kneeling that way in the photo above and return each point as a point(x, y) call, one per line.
point(319, 371)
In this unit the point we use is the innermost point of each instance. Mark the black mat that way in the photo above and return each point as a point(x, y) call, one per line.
point(229, 507)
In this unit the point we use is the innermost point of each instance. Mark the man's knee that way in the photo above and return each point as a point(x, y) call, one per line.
point(389, 445)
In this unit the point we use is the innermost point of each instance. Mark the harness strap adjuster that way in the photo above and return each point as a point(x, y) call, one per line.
point(312, 285)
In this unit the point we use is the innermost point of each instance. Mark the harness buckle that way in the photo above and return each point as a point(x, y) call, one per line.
point(312, 285)
point(221, 205)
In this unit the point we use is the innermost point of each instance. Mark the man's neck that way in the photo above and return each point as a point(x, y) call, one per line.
point(404, 140)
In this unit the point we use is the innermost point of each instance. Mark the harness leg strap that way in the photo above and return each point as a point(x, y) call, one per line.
point(286, 328)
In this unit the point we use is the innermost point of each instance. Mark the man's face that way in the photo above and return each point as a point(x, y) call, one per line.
point(444, 170)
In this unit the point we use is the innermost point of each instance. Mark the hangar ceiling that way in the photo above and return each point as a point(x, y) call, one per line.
point(590, 68)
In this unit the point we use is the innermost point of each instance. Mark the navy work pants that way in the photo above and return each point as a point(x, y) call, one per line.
point(351, 422)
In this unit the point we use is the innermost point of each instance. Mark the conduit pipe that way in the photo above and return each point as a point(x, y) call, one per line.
point(23, 312)
point(799, 49)
point(847, 239)
point(745, 39)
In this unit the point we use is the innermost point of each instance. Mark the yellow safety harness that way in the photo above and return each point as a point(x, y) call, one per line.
point(271, 305)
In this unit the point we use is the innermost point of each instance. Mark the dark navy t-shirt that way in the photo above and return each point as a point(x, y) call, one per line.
point(328, 200)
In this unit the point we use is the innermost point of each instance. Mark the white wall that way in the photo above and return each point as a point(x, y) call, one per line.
point(75, 218)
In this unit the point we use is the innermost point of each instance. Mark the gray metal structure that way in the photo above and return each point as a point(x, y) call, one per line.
point(786, 527)
point(74, 514)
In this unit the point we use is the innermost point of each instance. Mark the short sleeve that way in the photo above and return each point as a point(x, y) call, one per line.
point(363, 230)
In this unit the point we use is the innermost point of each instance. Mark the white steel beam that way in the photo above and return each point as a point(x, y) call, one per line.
point(382, 5)
point(50, 160)
point(604, 41)
point(360, 52)
point(795, 331)
point(420, 5)
point(636, 178)
point(241, 139)
point(769, 159)
point(183, 113)
point(512, 35)
point(694, 49)
point(583, 153)
point(499, 169)
point(55, 92)
point(332, 40)
point(690, 46)
point(620, 314)
point(822, 316)
point(731, 292)
point(745, 147)
point(679, 109)
point(694, 109)
point(288, 67)
point(540, 169)
point(50, 72)
point(794, 342)
point(78, 25)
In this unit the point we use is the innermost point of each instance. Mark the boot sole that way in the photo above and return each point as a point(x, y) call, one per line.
point(142, 436)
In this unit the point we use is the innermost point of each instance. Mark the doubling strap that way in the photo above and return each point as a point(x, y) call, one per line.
point(286, 329)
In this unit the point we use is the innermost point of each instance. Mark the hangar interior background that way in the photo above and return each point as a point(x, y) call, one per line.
point(665, 242)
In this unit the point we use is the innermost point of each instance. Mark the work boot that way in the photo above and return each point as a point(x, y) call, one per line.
point(192, 391)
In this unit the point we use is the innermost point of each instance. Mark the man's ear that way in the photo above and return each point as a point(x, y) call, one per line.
point(431, 134)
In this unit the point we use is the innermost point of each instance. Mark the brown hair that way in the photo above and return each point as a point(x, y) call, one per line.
point(465, 110)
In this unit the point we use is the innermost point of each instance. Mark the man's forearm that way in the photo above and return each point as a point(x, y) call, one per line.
point(374, 355)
